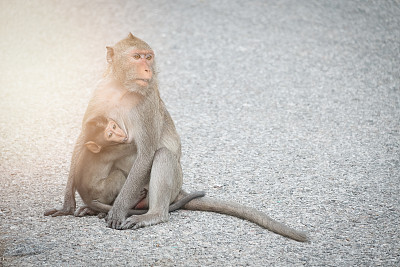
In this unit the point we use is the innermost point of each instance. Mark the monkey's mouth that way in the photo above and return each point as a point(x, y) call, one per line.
point(141, 81)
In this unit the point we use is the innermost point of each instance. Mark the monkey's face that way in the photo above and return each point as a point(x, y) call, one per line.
point(131, 61)
point(114, 134)
point(135, 67)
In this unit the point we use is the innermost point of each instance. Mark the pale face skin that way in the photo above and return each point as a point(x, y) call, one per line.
point(113, 133)
point(141, 62)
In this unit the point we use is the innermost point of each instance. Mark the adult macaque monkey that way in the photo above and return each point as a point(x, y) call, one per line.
point(154, 159)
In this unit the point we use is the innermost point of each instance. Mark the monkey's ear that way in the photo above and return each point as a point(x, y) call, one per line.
point(93, 147)
point(110, 54)
point(130, 35)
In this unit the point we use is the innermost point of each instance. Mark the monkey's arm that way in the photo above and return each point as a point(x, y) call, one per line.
point(129, 195)
point(69, 205)
point(69, 200)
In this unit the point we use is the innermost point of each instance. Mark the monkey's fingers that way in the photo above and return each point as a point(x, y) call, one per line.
point(50, 212)
point(101, 215)
point(114, 219)
point(113, 223)
point(130, 223)
point(57, 212)
point(85, 211)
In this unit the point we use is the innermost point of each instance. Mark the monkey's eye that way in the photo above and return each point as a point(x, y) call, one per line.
point(114, 126)
point(149, 56)
point(136, 56)
point(110, 134)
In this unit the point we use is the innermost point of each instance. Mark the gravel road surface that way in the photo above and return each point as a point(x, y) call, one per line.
point(291, 107)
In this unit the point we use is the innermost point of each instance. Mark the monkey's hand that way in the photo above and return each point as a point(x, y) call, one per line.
point(67, 209)
point(60, 212)
point(115, 218)
point(85, 211)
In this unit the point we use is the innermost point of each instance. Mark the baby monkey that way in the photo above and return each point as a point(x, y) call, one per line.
point(97, 189)
point(102, 133)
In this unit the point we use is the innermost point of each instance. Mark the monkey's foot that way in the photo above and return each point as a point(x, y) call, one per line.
point(60, 212)
point(138, 221)
point(85, 211)
point(101, 215)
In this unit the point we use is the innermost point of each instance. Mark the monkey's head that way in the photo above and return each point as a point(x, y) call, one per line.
point(131, 62)
point(101, 133)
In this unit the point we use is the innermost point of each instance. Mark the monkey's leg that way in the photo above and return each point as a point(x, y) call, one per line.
point(164, 187)
point(69, 196)
point(103, 192)
point(108, 189)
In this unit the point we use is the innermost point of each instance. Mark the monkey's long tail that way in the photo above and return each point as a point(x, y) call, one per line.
point(243, 212)
point(179, 203)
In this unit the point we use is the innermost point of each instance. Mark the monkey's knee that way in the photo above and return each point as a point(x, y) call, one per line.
point(166, 164)
point(164, 154)
point(165, 158)
point(166, 170)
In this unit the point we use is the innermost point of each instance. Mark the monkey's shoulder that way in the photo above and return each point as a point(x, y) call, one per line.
point(113, 94)
point(108, 92)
